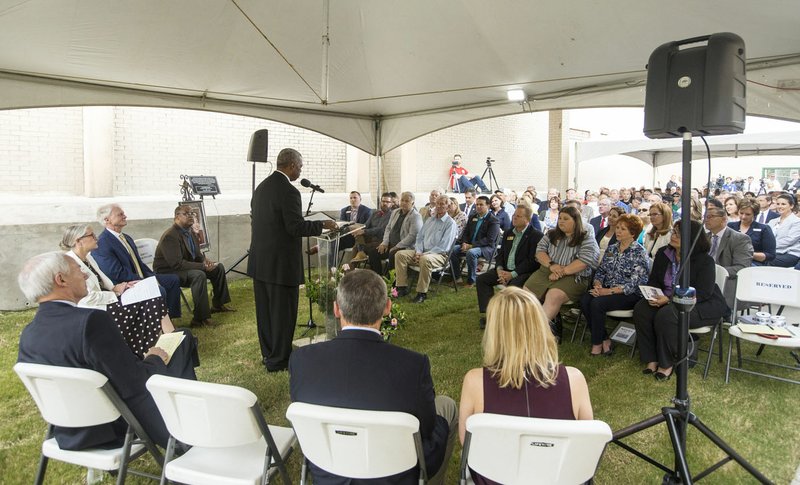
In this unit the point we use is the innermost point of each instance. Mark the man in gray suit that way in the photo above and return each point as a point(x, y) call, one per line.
point(730, 249)
point(400, 233)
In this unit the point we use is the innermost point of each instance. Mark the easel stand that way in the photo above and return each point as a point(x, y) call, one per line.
point(679, 417)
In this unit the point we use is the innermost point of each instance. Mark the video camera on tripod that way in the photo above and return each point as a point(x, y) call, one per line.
point(489, 161)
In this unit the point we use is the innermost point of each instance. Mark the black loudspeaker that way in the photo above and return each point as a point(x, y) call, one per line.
point(699, 89)
point(259, 144)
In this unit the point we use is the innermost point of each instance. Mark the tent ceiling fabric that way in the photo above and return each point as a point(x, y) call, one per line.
point(416, 65)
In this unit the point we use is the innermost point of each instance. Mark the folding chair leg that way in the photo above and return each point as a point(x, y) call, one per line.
point(575, 328)
point(633, 347)
point(710, 352)
point(303, 472)
point(186, 302)
point(167, 458)
point(126, 455)
point(40, 471)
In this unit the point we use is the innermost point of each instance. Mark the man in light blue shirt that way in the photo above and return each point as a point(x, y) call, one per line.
point(434, 240)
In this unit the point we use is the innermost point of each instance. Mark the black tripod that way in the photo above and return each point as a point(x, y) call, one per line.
point(680, 416)
point(247, 252)
point(492, 178)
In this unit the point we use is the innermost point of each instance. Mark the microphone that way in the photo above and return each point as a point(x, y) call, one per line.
point(307, 183)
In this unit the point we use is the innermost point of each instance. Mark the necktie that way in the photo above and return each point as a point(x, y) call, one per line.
point(132, 255)
point(713, 251)
point(761, 217)
point(602, 222)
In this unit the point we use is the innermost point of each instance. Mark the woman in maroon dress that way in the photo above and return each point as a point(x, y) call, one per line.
point(521, 375)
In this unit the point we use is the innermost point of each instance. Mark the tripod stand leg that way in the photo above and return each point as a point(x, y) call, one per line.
point(695, 421)
point(682, 472)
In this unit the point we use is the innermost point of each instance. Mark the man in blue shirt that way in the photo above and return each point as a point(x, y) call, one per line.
point(478, 239)
point(434, 241)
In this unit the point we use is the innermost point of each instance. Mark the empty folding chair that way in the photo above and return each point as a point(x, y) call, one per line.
point(231, 442)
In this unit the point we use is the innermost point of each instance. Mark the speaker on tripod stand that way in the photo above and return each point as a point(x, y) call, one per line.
point(256, 153)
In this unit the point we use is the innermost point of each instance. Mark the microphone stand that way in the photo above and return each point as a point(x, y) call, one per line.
point(310, 325)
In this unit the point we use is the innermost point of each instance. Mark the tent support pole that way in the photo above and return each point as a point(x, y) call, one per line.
point(378, 161)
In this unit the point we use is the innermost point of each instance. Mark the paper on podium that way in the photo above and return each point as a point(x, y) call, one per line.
point(145, 289)
point(319, 216)
point(169, 342)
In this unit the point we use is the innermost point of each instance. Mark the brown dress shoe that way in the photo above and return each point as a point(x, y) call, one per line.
point(209, 323)
point(222, 309)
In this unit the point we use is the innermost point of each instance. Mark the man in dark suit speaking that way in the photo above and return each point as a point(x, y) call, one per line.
point(359, 370)
point(65, 335)
point(276, 259)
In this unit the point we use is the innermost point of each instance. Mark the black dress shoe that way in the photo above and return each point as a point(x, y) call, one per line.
point(421, 297)
point(402, 291)
point(647, 371)
point(660, 376)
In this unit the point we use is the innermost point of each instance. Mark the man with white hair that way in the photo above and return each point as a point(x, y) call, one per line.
point(118, 258)
point(63, 334)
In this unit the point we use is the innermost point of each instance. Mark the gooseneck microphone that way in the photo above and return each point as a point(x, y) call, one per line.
point(307, 183)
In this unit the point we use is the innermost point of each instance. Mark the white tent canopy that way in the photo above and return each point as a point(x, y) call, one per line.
point(374, 73)
point(667, 151)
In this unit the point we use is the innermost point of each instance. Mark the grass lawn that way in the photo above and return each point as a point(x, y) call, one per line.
point(758, 417)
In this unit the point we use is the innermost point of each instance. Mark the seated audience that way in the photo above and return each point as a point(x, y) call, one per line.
point(624, 267)
point(534, 222)
point(601, 221)
point(549, 216)
point(178, 253)
point(468, 207)
point(786, 228)
point(765, 214)
point(608, 235)
point(658, 235)
point(465, 180)
point(515, 261)
point(793, 184)
point(477, 240)
point(585, 216)
point(760, 234)
point(567, 256)
point(371, 235)
point(425, 211)
point(362, 371)
point(521, 373)
point(400, 233)
point(430, 250)
point(497, 208)
point(657, 320)
point(730, 249)
point(454, 211)
point(731, 208)
point(62, 334)
point(139, 323)
point(355, 213)
point(118, 258)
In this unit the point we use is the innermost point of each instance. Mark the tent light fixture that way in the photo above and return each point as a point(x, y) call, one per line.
point(516, 95)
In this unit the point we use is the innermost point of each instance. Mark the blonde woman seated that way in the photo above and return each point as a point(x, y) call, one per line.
point(455, 212)
point(521, 375)
point(141, 323)
point(658, 234)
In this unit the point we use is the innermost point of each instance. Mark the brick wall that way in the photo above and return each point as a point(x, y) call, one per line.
point(41, 151)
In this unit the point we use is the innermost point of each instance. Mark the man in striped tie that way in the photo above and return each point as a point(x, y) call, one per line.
point(117, 257)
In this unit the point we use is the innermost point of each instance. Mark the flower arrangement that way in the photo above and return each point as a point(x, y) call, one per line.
point(396, 317)
point(322, 289)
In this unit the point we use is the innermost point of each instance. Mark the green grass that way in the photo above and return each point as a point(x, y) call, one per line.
point(757, 416)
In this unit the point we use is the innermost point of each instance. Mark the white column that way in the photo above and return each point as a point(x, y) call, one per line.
point(98, 151)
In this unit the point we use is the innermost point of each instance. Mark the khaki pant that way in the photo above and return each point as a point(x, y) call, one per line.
point(427, 261)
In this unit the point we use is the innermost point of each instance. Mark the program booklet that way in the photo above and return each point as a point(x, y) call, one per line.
point(169, 342)
point(650, 292)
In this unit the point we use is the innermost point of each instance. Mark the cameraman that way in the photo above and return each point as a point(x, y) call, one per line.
point(462, 176)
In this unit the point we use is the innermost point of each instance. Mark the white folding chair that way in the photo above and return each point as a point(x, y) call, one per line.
point(765, 285)
point(231, 442)
point(356, 443)
point(76, 398)
point(720, 278)
point(146, 247)
point(516, 450)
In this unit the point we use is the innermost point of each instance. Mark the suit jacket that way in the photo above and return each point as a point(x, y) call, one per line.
point(277, 228)
point(734, 252)
point(702, 276)
point(525, 257)
point(362, 371)
point(68, 336)
point(408, 231)
point(595, 222)
point(363, 214)
point(173, 253)
point(771, 214)
point(503, 218)
point(471, 209)
point(115, 261)
point(486, 239)
point(761, 236)
point(791, 185)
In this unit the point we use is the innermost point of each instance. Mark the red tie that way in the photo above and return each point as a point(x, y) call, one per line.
point(602, 222)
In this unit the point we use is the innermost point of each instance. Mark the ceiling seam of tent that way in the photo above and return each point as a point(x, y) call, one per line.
point(274, 47)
